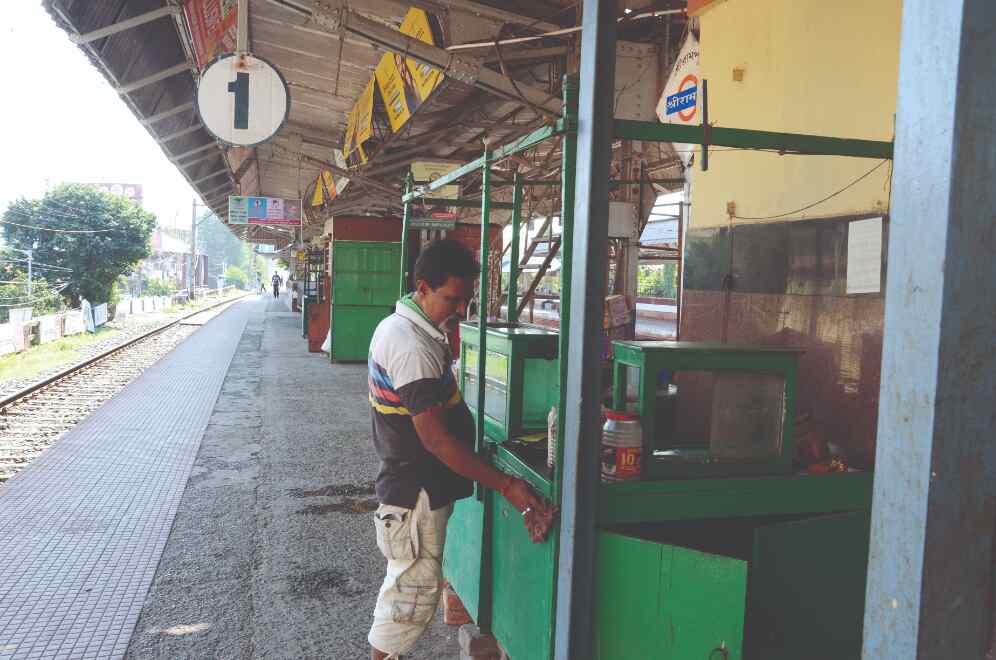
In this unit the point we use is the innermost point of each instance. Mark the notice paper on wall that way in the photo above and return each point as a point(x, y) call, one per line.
point(864, 256)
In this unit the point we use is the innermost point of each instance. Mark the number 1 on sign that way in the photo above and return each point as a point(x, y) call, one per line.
point(240, 87)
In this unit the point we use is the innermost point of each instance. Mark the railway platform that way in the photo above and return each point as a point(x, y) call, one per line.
point(209, 510)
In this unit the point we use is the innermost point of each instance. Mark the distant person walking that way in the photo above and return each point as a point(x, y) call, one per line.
point(276, 284)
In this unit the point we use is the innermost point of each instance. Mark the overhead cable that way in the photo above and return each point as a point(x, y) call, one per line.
point(57, 231)
point(818, 202)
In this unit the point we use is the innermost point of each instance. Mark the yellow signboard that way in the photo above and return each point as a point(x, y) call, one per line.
point(404, 84)
point(427, 171)
point(424, 77)
point(359, 122)
point(393, 90)
point(323, 184)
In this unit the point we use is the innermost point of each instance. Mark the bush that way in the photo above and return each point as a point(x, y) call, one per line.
point(155, 286)
point(658, 281)
point(44, 299)
point(235, 276)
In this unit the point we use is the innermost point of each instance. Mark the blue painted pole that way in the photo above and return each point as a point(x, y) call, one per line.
point(930, 573)
point(580, 416)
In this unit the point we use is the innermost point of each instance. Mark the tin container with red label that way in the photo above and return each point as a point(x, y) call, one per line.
point(622, 446)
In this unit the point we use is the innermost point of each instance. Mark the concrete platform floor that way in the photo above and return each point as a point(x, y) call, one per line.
point(272, 551)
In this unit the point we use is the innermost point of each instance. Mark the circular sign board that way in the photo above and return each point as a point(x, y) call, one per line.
point(242, 99)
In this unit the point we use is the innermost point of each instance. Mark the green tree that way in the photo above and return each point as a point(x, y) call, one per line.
point(97, 236)
point(220, 245)
point(658, 280)
point(155, 286)
point(235, 276)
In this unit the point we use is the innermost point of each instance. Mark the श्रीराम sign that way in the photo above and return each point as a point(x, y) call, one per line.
point(264, 211)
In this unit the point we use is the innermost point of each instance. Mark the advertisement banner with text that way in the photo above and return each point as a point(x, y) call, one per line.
point(264, 211)
point(212, 27)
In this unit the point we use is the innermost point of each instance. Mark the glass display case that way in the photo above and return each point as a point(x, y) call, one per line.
point(521, 378)
point(709, 410)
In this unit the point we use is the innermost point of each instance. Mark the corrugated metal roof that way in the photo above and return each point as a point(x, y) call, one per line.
point(325, 75)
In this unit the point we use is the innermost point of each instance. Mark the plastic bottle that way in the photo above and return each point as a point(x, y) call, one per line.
point(622, 446)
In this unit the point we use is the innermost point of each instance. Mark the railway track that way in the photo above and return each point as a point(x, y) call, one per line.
point(36, 416)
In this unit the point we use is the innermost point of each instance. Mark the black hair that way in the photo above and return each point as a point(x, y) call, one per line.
point(443, 259)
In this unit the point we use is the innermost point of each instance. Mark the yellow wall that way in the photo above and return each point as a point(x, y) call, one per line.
point(810, 66)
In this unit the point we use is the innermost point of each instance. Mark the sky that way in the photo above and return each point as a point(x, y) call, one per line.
point(60, 121)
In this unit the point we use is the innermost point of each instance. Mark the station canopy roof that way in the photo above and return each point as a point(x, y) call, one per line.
point(152, 52)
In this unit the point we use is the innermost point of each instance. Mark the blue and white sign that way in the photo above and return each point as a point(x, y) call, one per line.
point(679, 104)
point(683, 100)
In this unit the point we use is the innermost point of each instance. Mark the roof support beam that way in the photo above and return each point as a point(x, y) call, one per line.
point(195, 161)
point(186, 131)
point(165, 114)
point(210, 176)
point(484, 11)
point(126, 24)
point(154, 78)
point(193, 151)
point(465, 69)
point(207, 193)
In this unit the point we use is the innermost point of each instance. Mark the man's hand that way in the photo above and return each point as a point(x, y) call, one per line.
point(537, 513)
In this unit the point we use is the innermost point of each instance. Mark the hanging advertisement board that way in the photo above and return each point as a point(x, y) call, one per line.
point(679, 104)
point(399, 99)
point(424, 77)
point(212, 27)
point(404, 84)
point(359, 126)
point(244, 210)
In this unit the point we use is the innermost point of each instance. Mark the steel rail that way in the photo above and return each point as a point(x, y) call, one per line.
point(79, 366)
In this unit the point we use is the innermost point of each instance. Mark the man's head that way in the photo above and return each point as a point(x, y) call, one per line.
point(444, 281)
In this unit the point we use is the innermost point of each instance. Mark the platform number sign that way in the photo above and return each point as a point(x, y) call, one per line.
point(240, 87)
point(242, 99)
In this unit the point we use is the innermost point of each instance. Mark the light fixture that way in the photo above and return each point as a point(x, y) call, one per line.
point(627, 10)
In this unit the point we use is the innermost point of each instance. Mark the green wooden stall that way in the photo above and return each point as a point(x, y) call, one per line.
point(364, 291)
point(712, 555)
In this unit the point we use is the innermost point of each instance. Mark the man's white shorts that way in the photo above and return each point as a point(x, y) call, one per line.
point(412, 542)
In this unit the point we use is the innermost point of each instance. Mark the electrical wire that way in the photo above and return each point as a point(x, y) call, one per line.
point(35, 264)
point(31, 301)
point(56, 231)
point(816, 203)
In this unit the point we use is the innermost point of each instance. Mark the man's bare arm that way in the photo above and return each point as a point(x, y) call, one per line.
point(437, 439)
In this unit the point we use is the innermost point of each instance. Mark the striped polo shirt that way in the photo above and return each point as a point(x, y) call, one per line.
point(409, 372)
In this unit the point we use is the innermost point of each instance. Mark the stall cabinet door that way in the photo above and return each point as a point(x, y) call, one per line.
point(365, 273)
point(462, 552)
point(667, 602)
point(523, 585)
point(364, 289)
point(807, 588)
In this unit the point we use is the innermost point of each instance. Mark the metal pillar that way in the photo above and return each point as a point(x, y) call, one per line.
point(193, 249)
point(482, 301)
point(930, 573)
point(406, 218)
point(574, 635)
point(513, 262)
point(484, 607)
